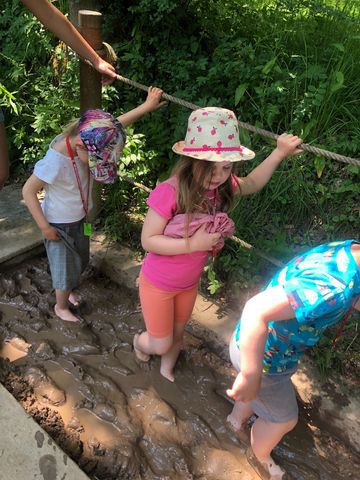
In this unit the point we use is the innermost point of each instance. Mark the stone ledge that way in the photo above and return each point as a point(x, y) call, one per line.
point(26, 450)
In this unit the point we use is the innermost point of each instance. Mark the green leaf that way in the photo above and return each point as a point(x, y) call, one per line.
point(319, 163)
point(269, 66)
point(239, 93)
point(353, 169)
point(339, 46)
point(337, 81)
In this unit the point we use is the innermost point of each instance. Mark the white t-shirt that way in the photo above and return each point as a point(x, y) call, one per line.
point(62, 202)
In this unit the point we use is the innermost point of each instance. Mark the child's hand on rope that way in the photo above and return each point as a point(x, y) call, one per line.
point(286, 144)
point(153, 100)
point(108, 74)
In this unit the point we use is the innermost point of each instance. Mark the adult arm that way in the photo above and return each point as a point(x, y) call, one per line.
point(269, 305)
point(152, 102)
point(4, 156)
point(259, 177)
point(60, 26)
point(29, 191)
point(153, 240)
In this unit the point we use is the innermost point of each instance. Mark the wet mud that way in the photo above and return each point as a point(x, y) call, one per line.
point(119, 418)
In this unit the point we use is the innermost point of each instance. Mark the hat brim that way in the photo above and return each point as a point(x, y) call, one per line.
point(214, 156)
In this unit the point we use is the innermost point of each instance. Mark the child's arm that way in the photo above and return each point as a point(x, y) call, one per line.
point(29, 191)
point(267, 306)
point(151, 103)
point(58, 24)
point(259, 177)
point(153, 240)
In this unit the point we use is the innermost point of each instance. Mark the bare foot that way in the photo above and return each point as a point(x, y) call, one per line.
point(144, 357)
point(267, 470)
point(168, 375)
point(66, 315)
point(234, 422)
point(74, 299)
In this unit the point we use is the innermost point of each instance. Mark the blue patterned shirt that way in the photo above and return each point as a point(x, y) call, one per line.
point(321, 285)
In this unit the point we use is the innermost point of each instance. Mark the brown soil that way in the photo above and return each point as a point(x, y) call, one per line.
point(118, 418)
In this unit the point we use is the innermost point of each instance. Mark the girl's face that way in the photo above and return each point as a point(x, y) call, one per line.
point(218, 175)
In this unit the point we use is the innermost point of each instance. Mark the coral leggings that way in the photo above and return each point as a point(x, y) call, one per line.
point(162, 309)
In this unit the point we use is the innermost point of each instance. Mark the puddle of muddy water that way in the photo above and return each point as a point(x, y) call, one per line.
point(119, 419)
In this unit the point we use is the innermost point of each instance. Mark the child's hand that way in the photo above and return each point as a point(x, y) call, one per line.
point(152, 101)
point(51, 233)
point(203, 241)
point(244, 389)
point(286, 145)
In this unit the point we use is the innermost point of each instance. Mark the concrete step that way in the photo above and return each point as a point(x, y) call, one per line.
point(18, 232)
point(26, 450)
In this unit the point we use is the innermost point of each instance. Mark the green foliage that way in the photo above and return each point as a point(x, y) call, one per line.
point(283, 65)
point(38, 99)
point(286, 66)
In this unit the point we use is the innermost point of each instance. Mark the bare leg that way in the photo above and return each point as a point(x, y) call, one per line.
point(241, 412)
point(61, 307)
point(144, 357)
point(264, 437)
point(168, 360)
point(146, 345)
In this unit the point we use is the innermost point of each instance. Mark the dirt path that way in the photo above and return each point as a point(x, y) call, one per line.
point(120, 419)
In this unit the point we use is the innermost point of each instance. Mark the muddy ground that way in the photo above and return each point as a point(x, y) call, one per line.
point(118, 418)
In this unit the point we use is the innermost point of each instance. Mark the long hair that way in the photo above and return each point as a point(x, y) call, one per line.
point(191, 174)
point(72, 128)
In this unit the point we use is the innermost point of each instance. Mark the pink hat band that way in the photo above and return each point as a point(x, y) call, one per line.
point(205, 148)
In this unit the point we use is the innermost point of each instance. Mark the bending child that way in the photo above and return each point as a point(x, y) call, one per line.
point(89, 148)
point(314, 290)
point(196, 198)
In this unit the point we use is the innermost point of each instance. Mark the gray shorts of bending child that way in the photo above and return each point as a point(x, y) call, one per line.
point(276, 400)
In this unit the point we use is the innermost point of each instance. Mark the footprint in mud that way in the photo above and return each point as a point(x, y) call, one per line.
point(45, 389)
point(123, 462)
point(106, 401)
point(215, 464)
point(166, 459)
point(44, 350)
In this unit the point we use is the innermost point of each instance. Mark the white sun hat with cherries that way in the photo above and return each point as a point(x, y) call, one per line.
point(213, 134)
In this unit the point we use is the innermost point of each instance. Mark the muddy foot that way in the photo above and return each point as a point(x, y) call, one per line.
point(66, 315)
point(234, 423)
point(143, 357)
point(266, 470)
point(75, 299)
point(168, 375)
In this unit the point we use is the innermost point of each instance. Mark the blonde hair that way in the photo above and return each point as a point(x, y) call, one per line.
point(72, 128)
point(191, 174)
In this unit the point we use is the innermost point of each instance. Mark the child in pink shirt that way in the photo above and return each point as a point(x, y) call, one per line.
point(203, 184)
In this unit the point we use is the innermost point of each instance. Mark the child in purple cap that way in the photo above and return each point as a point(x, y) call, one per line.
point(88, 148)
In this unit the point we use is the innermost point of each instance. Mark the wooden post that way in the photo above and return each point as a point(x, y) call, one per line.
point(90, 84)
point(90, 79)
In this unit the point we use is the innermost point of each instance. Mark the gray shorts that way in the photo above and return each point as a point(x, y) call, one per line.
point(68, 256)
point(276, 401)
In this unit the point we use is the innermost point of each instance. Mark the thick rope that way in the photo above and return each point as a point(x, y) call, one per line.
point(304, 146)
point(109, 54)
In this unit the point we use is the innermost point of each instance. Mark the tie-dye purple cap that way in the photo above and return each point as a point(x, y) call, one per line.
point(104, 137)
